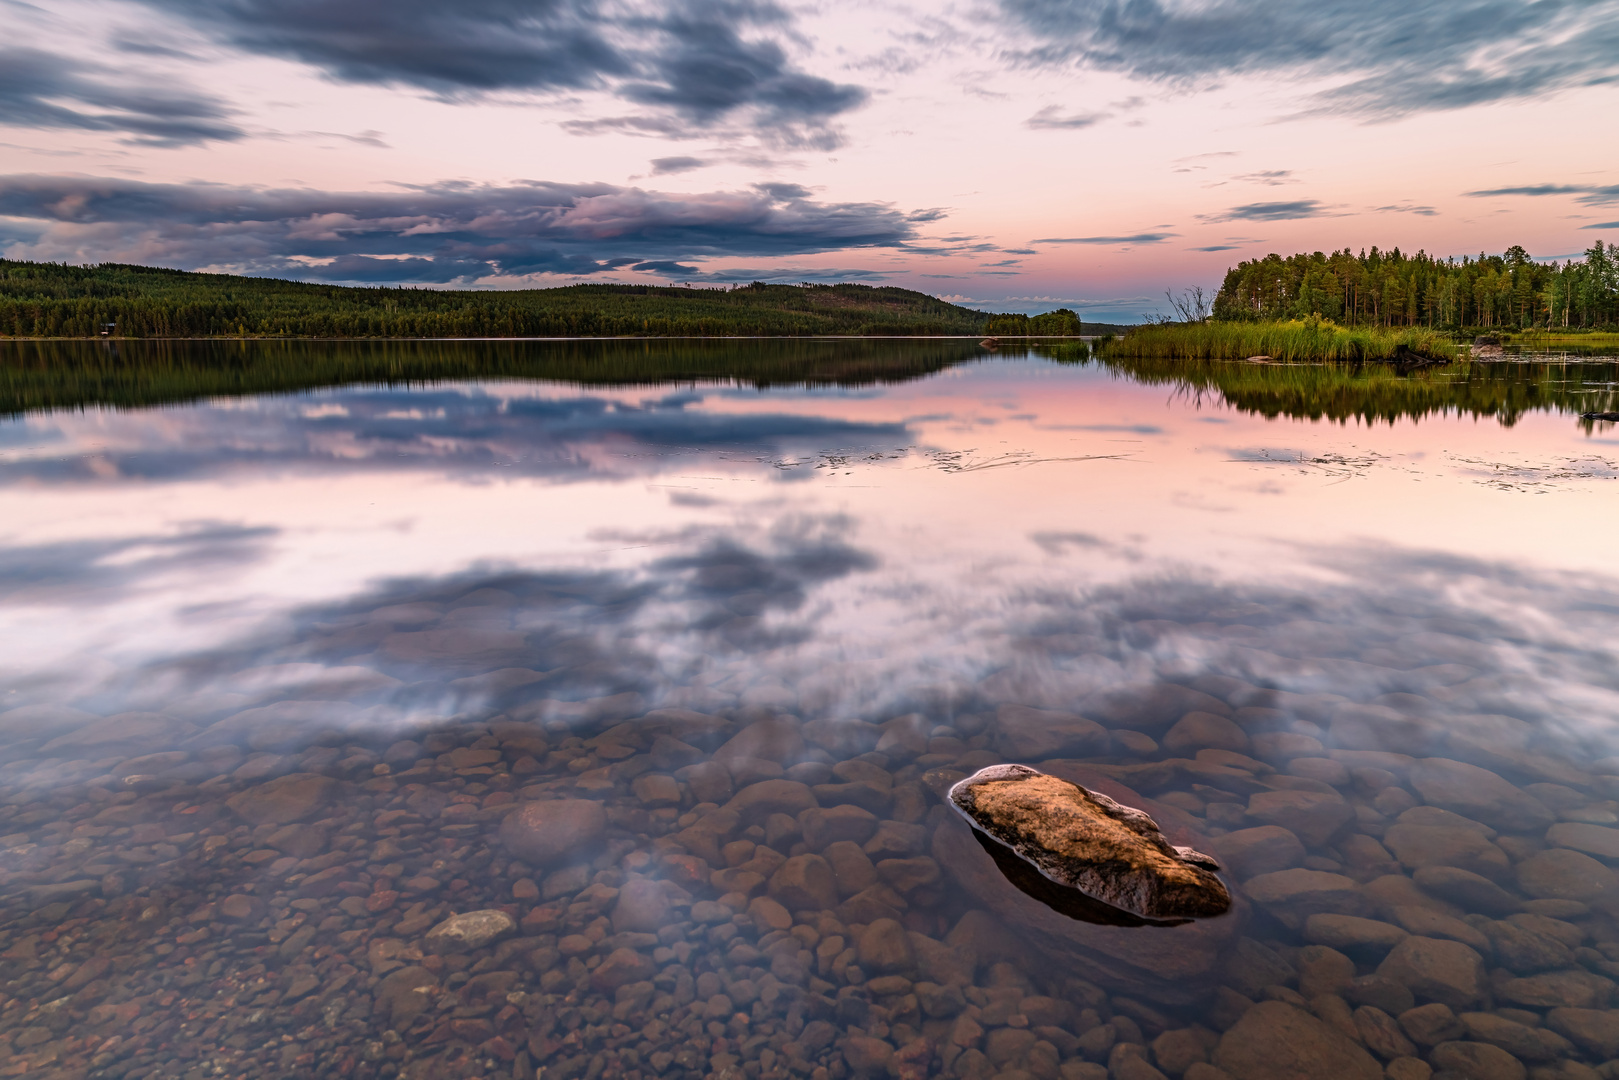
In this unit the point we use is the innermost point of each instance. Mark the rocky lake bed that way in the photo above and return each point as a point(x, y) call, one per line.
point(590, 888)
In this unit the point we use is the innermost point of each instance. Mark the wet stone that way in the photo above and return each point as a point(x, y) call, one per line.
point(1026, 734)
point(1431, 1024)
point(1477, 1061)
point(1469, 890)
point(1261, 850)
point(1433, 969)
point(1276, 1041)
point(468, 931)
point(545, 833)
point(1563, 874)
point(1478, 794)
point(1594, 1030)
point(284, 800)
point(1418, 846)
point(1294, 895)
point(1352, 932)
point(1090, 843)
point(1522, 1042)
point(1314, 816)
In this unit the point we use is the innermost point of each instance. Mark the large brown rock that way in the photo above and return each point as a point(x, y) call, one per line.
point(560, 830)
point(1173, 965)
point(283, 800)
point(1086, 841)
point(1275, 1041)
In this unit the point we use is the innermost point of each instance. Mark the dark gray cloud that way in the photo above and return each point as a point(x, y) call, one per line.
point(701, 61)
point(438, 233)
point(1395, 56)
point(1271, 211)
point(41, 89)
point(1589, 194)
point(1602, 225)
point(1217, 247)
point(1138, 238)
point(665, 165)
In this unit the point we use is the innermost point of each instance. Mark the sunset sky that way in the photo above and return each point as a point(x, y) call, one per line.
point(1011, 154)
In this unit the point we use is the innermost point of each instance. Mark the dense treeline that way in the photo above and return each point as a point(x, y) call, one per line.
point(56, 300)
point(131, 374)
point(1059, 323)
point(1390, 288)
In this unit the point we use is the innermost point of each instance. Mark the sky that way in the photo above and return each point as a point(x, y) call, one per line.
point(1013, 155)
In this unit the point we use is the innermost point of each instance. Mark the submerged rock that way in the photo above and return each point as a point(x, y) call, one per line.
point(1085, 841)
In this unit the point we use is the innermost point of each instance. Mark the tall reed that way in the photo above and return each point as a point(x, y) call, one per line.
point(1294, 341)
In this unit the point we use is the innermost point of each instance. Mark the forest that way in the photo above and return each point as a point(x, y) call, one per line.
point(51, 300)
point(1390, 288)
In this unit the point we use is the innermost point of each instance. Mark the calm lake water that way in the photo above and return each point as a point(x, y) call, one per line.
point(584, 710)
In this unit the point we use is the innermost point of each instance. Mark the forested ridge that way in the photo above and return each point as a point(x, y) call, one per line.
point(57, 300)
point(1391, 288)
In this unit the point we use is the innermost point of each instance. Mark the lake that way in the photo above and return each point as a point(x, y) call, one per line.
point(588, 710)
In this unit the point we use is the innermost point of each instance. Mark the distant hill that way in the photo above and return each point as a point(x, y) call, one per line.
point(45, 300)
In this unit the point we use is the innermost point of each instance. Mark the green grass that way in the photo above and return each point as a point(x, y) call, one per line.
point(1296, 341)
point(50, 300)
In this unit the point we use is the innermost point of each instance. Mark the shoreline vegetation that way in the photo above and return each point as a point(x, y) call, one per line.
point(1293, 341)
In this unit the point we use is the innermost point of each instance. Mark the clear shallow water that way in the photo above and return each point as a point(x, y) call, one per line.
point(280, 668)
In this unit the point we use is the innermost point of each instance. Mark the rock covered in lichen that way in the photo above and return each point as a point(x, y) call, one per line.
point(1084, 840)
